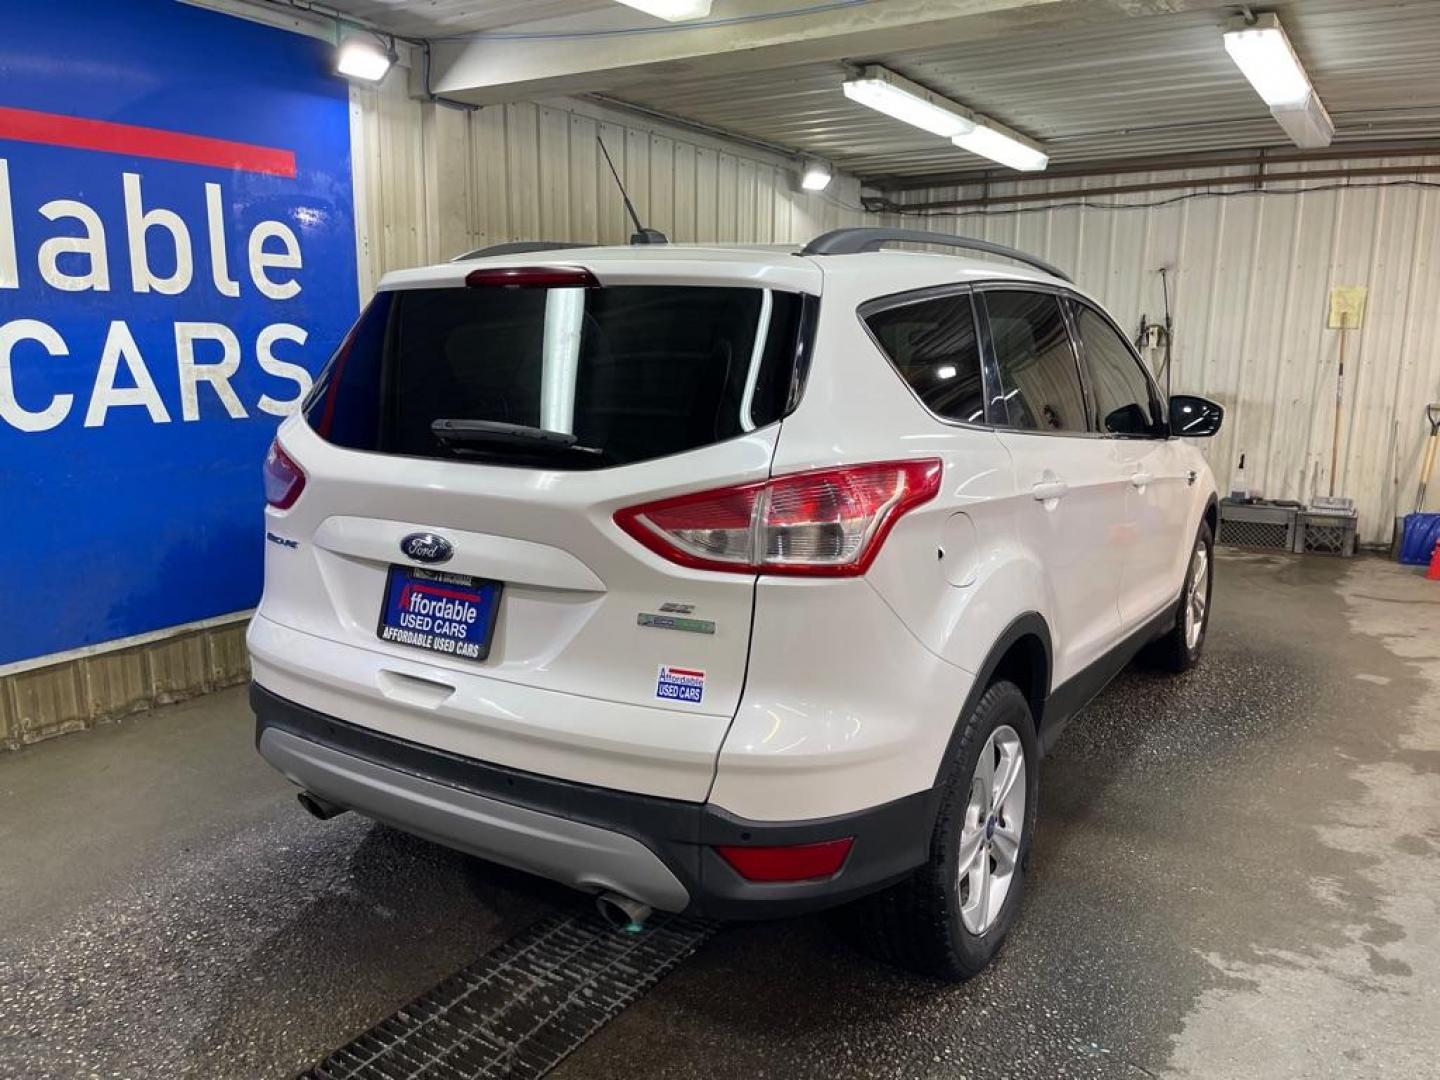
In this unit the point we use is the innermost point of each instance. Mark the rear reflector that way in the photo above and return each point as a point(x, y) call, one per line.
point(532, 277)
point(284, 480)
point(828, 522)
point(793, 862)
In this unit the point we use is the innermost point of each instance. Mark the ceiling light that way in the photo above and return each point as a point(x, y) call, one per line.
point(816, 177)
point(362, 56)
point(673, 10)
point(1308, 124)
point(884, 91)
point(1263, 54)
point(998, 143)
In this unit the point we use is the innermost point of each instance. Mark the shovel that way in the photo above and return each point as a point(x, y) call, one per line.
point(1432, 417)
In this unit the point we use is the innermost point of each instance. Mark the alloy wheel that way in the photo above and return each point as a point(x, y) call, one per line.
point(1197, 600)
point(992, 831)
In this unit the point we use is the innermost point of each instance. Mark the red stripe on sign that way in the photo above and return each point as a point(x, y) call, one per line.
point(682, 671)
point(433, 590)
point(52, 129)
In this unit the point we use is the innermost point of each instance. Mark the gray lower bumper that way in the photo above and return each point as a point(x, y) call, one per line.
point(579, 855)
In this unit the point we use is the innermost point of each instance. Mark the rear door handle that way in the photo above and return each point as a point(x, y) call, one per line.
point(1141, 479)
point(1046, 490)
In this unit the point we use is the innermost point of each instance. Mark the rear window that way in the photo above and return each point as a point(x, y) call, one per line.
point(559, 377)
point(933, 346)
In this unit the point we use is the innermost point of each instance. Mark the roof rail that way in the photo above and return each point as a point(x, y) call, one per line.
point(856, 240)
point(519, 247)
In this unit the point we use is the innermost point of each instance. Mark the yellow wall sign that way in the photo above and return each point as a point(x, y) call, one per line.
point(1347, 307)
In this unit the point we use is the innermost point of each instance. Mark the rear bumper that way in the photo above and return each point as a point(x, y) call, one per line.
point(655, 849)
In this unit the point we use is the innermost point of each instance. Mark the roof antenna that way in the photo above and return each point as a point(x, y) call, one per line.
point(642, 234)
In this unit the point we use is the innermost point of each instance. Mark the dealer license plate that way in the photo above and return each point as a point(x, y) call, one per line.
point(453, 614)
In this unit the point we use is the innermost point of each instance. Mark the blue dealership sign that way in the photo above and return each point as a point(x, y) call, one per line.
point(177, 260)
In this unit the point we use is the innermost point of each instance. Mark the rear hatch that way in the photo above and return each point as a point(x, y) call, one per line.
point(464, 455)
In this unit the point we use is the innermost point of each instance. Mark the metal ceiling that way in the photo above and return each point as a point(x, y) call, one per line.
point(1145, 85)
point(1140, 86)
point(441, 18)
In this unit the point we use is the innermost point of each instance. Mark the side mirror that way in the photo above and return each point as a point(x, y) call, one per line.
point(1129, 419)
point(1194, 417)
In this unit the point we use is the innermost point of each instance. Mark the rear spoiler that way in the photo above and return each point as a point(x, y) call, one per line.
point(519, 247)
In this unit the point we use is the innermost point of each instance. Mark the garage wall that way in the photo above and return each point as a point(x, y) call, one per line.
point(1249, 284)
point(434, 181)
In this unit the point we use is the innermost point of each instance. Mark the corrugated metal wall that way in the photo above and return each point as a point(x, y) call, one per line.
point(1250, 276)
point(434, 181)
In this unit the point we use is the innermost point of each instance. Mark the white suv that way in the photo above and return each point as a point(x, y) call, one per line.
point(735, 581)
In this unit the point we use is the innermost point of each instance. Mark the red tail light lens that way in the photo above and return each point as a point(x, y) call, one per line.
point(284, 480)
point(532, 277)
point(829, 522)
point(794, 862)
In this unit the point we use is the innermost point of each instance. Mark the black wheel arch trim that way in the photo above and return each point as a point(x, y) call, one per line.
point(1030, 624)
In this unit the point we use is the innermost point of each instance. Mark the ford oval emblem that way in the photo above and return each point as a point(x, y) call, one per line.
point(427, 547)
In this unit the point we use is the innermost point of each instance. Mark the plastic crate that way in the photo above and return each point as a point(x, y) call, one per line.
point(1249, 525)
point(1325, 534)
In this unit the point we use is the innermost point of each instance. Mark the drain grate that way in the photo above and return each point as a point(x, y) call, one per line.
point(521, 1009)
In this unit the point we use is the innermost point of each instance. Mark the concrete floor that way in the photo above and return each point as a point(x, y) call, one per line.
point(1237, 875)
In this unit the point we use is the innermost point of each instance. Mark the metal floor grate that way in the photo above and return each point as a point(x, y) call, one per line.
point(521, 1009)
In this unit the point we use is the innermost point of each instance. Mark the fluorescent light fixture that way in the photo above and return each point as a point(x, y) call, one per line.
point(998, 143)
point(361, 56)
point(671, 10)
point(894, 95)
point(1308, 124)
point(1263, 54)
point(816, 177)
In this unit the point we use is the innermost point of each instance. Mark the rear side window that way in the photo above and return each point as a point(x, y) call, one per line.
point(933, 346)
point(1124, 401)
point(1039, 379)
point(559, 377)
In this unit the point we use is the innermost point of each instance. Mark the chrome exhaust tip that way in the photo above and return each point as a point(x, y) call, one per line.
point(319, 808)
point(622, 912)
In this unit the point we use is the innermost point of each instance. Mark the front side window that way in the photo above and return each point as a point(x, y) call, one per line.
point(1039, 379)
point(1125, 404)
point(932, 345)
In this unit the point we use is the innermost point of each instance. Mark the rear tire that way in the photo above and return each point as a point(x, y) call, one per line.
point(1179, 650)
point(937, 922)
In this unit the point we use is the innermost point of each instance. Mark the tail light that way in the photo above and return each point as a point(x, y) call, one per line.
point(827, 523)
point(792, 862)
point(284, 480)
point(532, 277)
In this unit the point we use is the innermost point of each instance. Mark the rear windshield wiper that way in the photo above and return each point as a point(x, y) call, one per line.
point(479, 434)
